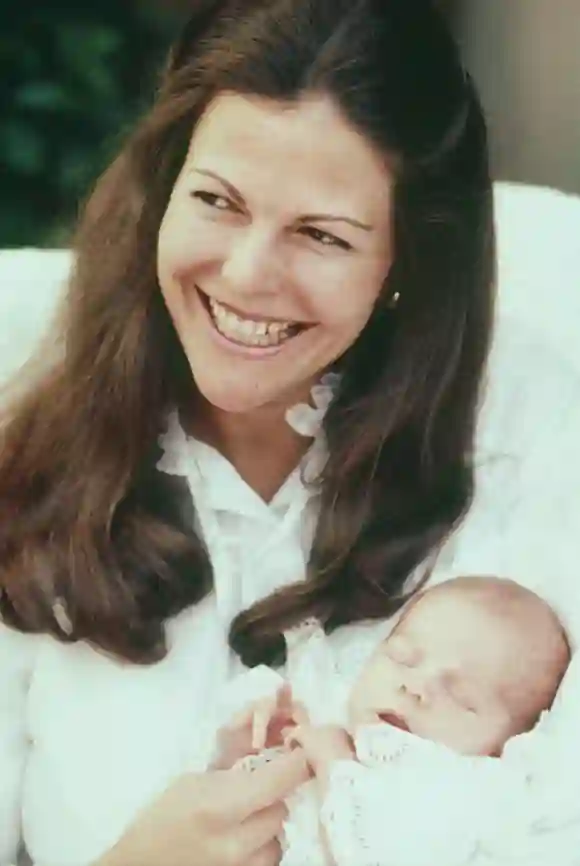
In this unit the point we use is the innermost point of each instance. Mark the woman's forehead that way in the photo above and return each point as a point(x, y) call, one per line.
point(305, 150)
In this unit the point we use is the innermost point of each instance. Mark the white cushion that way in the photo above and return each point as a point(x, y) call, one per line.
point(31, 284)
point(538, 235)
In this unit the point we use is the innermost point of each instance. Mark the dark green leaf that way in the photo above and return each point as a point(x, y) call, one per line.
point(22, 149)
point(44, 96)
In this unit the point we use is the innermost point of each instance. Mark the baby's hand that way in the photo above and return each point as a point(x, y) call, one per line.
point(322, 745)
point(259, 726)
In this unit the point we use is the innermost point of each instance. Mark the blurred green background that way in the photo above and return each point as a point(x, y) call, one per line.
point(74, 76)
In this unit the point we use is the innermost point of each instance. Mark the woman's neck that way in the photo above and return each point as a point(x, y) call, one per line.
point(261, 445)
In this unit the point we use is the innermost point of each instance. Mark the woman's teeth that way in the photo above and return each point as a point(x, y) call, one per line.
point(248, 331)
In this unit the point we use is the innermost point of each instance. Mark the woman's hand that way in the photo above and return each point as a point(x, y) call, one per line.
point(259, 726)
point(218, 818)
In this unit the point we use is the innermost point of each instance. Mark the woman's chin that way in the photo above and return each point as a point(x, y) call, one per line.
point(238, 401)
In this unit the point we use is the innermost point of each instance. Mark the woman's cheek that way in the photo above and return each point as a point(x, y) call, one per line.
point(185, 246)
point(340, 305)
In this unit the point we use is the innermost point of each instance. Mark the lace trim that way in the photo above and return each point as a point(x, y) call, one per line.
point(307, 420)
point(250, 763)
point(301, 840)
point(181, 452)
point(519, 808)
point(381, 744)
point(360, 800)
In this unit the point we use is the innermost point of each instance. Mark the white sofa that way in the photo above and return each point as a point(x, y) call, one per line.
point(539, 276)
point(538, 233)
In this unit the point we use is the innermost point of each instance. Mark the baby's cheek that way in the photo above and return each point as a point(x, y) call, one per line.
point(482, 736)
point(449, 727)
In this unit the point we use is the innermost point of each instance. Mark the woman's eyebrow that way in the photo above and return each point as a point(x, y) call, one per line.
point(325, 217)
point(235, 193)
point(319, 217)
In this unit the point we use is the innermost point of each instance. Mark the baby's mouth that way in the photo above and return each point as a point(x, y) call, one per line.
point(393, 719)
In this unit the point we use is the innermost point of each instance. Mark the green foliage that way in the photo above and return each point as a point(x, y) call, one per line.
point(72, 79)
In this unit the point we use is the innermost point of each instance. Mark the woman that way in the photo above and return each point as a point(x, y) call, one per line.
point(286, 281)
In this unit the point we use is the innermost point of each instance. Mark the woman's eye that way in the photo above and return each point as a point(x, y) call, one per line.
point(213, 200)
point(325, 239)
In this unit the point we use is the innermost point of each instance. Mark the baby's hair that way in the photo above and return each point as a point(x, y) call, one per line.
point(500, 593)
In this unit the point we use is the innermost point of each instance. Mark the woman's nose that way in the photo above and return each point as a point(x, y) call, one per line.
point(252, 264)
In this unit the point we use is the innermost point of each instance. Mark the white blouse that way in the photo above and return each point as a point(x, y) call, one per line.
point(87, 741)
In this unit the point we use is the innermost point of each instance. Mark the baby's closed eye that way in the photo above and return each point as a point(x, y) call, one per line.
point(402, 651)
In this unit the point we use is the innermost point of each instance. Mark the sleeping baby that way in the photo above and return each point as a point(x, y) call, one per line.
point(471, 664)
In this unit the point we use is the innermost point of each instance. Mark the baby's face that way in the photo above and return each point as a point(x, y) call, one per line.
point(446, 673)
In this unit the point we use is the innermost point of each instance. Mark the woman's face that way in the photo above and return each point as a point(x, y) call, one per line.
point(274, 247)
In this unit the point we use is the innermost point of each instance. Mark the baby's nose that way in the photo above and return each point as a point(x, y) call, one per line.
point(418, 686)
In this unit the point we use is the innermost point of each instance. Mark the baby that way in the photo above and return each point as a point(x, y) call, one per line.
point(471, 663)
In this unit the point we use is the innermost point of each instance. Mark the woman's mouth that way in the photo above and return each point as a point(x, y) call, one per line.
point(251, 332)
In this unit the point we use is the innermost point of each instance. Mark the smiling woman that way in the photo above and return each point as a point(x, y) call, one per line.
point(266, 409)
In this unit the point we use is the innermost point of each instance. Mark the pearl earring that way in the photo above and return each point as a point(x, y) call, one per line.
point(61, 616)
point(394, 300)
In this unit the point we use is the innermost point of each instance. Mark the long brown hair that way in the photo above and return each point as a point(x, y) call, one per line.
point(86, 518)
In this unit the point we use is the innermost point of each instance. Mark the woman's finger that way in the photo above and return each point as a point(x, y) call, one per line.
point(242, 718)
point(266, 785)
point(262, 827)
point(264, 711)
point(231, 746)
point(284, 698)
point(285, 715)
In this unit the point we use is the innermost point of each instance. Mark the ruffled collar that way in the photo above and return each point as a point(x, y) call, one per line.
point(307, 420)
point(186, 456)
point(217, 487)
